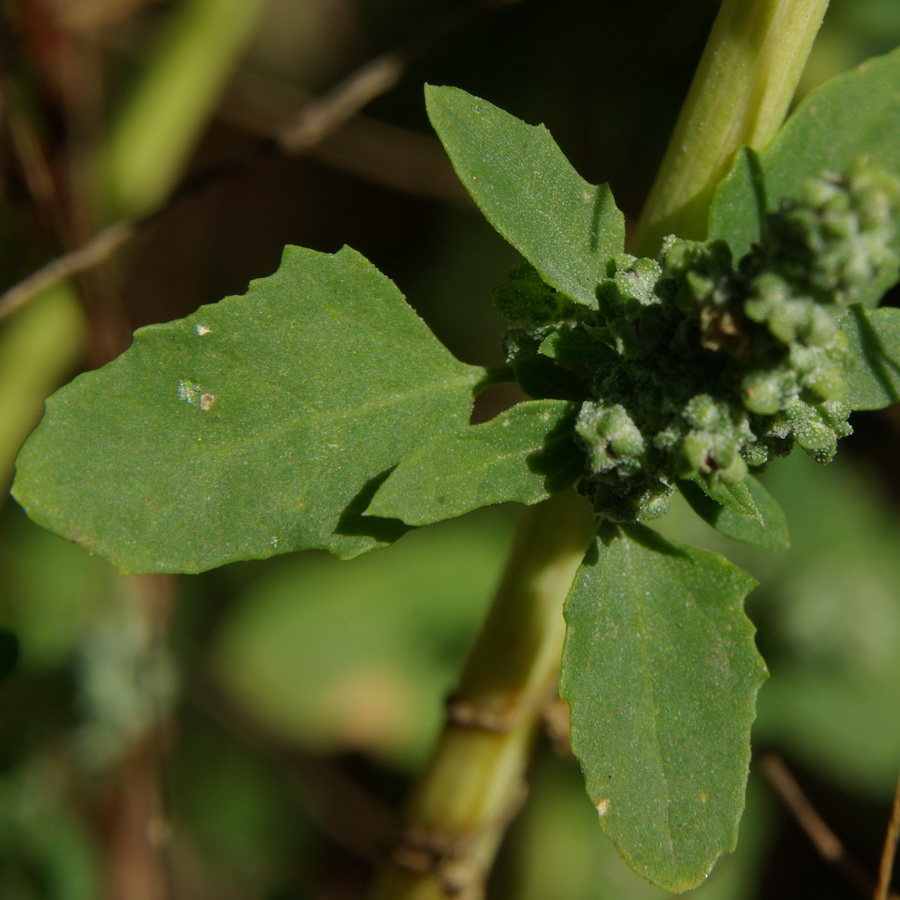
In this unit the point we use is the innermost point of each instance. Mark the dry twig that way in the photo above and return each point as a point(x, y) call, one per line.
point(885, 870)
point(313, 123)
point(828, 844)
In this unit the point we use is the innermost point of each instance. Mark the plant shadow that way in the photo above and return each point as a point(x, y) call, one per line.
point(353, 522)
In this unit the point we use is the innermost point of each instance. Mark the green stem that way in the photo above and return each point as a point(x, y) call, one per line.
point(740, 96)
point(471, 787)
point(39, 347)
point(171, 104)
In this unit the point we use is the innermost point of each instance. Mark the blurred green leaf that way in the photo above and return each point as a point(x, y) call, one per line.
point(47, 850)
point(745, 512)
point(51, 592)
point(233, 803)
point(566, 228)
point(256, 426)
point(525, 454)
point(359, 655)
point(855, 114)
point(661, 674)
point(830, 622)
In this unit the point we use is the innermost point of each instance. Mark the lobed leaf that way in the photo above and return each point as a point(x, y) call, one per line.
point(661, 674)
point(853, 115)
point(745, 512)
point(258, 425)
point(525, 455)
point(873, 337)
point(565, 227)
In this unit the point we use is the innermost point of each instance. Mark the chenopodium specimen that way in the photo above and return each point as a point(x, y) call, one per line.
point(694, 367)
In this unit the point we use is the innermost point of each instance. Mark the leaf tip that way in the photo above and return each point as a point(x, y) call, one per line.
point(435, 94)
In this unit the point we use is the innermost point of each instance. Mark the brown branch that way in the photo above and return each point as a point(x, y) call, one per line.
point(828, 844)
point(374, 151)
point(313, 123)
point(890, 849)
point(98, 249)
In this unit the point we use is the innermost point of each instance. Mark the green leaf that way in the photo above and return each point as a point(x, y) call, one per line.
point(258, 425)
point(856, 114)
point(525, 455)
point(566, 228)
point(745, 512)
point(833, 620)
point(873, 337)
point(376, 643)
point(735, 497)
point(661, 674)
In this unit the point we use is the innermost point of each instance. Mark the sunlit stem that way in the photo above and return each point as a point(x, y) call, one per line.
point(474, 781)
point(740, 96)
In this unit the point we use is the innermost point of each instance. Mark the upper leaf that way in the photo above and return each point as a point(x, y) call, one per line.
point(661, 674)
point(874, 343)
point(256, 426)
point(566, 228)
point(854, 115)
point(525, 454)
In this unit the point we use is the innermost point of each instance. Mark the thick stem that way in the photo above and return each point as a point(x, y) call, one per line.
point(740, 96)
point(474, 780)
point(173, 100)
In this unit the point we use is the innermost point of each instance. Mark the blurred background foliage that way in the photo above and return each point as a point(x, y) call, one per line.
point(245, 733)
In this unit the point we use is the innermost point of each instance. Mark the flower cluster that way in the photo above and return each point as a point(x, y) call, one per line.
point(693, 367)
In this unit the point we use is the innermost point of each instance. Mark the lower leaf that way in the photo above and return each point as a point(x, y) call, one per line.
point(258, 425)
point(661, 673)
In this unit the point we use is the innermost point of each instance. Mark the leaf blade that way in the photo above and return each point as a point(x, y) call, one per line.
point(873, 338)
point(745, 512)
point(235, 433)
point(523, 455)
point(661, 673)
point(565, 227)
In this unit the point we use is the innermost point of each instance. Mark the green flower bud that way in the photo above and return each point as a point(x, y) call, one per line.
point(766, 391)
point(610, 437)
point(632, 499)
point(691, 366)
point(703, 412)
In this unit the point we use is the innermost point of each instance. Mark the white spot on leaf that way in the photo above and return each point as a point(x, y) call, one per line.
point(602, 808)
point(202, 329)
point(196, 395)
